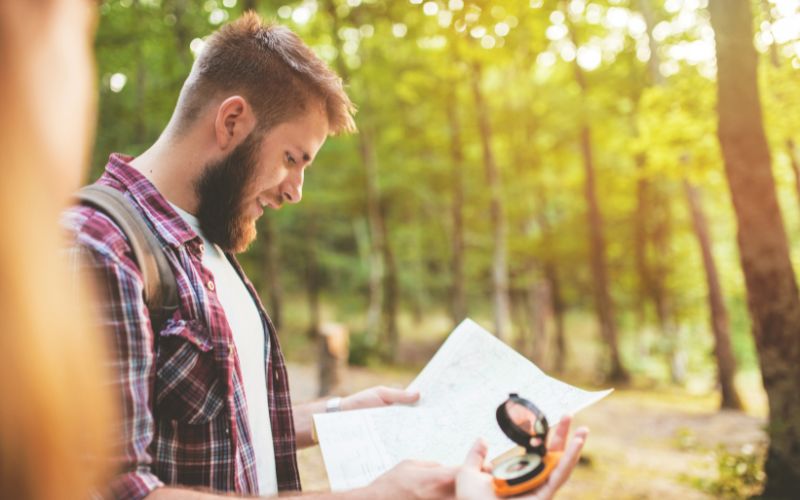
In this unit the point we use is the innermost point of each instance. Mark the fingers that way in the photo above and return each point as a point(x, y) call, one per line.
point(558, 438)
point(391, 396)
point(476, 455)
point(567, 463)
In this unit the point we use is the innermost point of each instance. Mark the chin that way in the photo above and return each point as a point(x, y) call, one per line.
point(246, 237)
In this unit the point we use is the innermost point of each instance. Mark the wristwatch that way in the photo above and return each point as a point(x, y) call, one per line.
point(333, 405)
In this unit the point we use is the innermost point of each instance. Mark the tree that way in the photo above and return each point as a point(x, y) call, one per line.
point(500, 292)
point(720, 324)
point(603, 301)
point(769, 277)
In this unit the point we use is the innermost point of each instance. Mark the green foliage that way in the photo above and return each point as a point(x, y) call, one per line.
point(407, 65)
point(363, 349)
point(740, 473)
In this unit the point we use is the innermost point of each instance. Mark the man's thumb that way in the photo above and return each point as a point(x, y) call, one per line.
point(391, 396)
point(476, 455)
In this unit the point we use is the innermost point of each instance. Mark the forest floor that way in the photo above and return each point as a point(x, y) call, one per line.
point(644, 443)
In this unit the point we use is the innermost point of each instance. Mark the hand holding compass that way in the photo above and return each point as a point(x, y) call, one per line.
point(534, 474)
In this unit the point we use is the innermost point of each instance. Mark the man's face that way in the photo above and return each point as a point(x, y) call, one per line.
point(263, 171)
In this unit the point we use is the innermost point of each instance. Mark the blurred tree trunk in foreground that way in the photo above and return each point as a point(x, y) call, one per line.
point(502, 306)
point(603, 301)
point(726, 363)
point(771, 287)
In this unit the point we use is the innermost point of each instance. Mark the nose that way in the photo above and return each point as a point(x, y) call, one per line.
point(292, 187)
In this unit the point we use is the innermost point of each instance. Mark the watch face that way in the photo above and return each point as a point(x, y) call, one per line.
point(517, 466)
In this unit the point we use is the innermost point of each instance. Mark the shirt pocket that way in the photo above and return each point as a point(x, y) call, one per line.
point(190, 387)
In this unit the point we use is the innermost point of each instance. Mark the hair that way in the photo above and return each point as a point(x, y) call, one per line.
point(272, 68)
point(55, 413)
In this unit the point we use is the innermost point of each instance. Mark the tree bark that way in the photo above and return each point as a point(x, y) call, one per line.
point(539, 310)
point(312, 281)
point(458, 294)
point(369, 161)
point(603, 301)
point(557, 301)
point(775, 59)
point(726, 363)
point(271, 270)
point(390, 294)
point(794, 161)
point(656, 273)
point(376, 231)
point(502, 312)
point(763, 247)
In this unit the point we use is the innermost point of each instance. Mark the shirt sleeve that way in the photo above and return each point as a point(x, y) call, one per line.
point(120, 306)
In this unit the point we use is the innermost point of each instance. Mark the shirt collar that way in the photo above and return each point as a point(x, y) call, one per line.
point(167, 223)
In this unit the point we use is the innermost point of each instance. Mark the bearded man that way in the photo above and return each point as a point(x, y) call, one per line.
point(205, 396)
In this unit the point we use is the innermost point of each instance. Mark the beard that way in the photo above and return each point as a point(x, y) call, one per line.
point(221, 192)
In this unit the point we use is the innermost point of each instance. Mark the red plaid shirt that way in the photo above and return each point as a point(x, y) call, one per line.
point(183, 404)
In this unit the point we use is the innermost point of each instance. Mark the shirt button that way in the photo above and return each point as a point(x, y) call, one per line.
point(276, 376)
point(210, 285)
point(230, 352)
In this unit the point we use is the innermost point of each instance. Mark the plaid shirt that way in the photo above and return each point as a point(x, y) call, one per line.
point(183, 404)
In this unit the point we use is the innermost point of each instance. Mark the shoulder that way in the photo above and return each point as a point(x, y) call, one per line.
point(92, 230)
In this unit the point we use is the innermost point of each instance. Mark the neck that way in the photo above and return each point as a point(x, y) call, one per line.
point(173, 164)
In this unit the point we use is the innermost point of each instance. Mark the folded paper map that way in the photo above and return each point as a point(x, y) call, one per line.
point(469, 376)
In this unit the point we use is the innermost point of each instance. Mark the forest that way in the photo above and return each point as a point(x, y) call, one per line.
point(612, 187)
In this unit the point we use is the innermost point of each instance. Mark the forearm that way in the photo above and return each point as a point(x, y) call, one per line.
point(304, 421)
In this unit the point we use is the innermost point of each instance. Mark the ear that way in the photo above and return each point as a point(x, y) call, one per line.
point(234, 121)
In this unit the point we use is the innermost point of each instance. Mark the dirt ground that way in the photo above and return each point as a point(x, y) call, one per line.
point(643, 444)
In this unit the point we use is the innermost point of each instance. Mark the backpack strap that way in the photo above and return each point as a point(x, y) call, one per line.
point(160, 285)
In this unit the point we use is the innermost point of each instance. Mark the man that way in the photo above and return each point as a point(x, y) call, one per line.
point(205, 396)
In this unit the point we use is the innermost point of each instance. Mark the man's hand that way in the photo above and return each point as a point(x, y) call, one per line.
point(378, 396)
point(413, 479)
point(368, 398)
point(473, 482)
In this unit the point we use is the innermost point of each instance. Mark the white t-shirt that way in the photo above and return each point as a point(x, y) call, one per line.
point(249, 338)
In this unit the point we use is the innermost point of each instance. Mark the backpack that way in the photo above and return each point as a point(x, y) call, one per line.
point(160, 285)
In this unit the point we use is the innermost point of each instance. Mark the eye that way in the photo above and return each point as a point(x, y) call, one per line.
point(290, 159)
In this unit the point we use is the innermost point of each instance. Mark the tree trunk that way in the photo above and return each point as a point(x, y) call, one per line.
point(726, 363)
point(182, 34)
point(140, 125)
point(551, 272)
point(366, 150)
point(656, 273)
point(312, 281)
point(603, 302)
point(763, 247)
point(640, 239)
point(654, 62)
point(539, 310)
point(390, 293)
point(458, 294)
point(775, 59)
point(791, 148)
point(502, 313)
point(271, 270)
point(376, 232)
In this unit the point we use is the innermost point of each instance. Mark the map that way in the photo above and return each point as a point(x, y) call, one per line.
point(460, 389)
